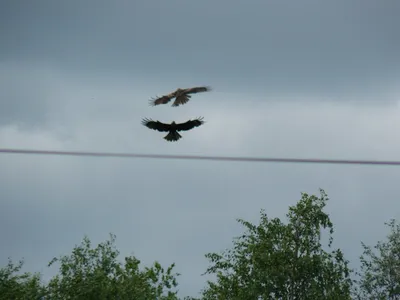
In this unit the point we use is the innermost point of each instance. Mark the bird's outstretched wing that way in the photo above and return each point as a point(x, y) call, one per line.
point(197, 89)
point(162, 99)
point(183, 96)
point(156, 125)
point(189, 124)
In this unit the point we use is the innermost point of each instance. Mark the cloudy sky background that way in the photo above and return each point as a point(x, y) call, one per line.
point(290, 79)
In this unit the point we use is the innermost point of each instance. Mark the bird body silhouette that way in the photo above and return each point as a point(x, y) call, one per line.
point(172, 128)
point(182, 96)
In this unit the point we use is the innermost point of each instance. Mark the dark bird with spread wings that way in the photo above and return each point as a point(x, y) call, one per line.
point(172, 128)
point(181, 96)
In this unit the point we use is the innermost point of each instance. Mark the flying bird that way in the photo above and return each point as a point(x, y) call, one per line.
point(172, 128)
point(181, 96)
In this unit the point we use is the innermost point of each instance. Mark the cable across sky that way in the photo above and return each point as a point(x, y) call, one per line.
point(203, 157)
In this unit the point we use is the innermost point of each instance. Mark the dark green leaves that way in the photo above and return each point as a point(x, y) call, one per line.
point(19, 286)
point(276, 260)
point(380, 267)
point(95, 273)
point(92, 273)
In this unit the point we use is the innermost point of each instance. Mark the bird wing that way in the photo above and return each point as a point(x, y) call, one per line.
point(197, 89)
point(189, 124)
point(162, 100)
point(156, 125)
point(181, 99)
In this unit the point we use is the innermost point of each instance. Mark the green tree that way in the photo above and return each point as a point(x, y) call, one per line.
point(95, 273)
point(274, 260)
point(380, 267)
point(15, 286)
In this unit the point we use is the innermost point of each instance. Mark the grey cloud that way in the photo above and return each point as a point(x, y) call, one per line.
point(308, 47)
point(23, 97)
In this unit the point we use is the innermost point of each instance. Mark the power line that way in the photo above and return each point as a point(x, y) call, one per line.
point(202, 157)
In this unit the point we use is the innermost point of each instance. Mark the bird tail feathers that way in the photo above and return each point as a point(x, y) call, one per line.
point(172, 136)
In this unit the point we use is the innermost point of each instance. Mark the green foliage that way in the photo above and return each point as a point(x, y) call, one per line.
point(91, 273)
point(282, 261)
point(271, 260)
point(380, 272)
point(96, 274)
point(15, 286)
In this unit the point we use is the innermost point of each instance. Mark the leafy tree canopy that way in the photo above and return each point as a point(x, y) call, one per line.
point(271, 260)
point(92, 273)
point(274, 260)
point(380, 267)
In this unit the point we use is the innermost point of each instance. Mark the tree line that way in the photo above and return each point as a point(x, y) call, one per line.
point(270, 260)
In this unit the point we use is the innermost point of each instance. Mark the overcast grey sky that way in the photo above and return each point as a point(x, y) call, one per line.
point(290, 79)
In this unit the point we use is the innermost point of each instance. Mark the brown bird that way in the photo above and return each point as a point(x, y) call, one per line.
point(181, 96)
point(172, 128)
